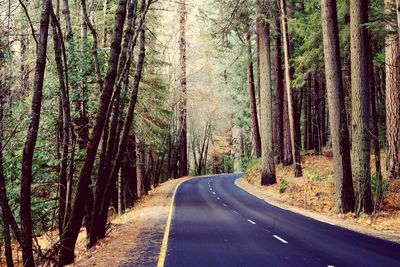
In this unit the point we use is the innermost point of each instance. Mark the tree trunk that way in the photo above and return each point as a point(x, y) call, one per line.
point(392, 69)
point(317, 116)
point(125, 132)
point(279, 91)
point(6, 211)
point(268, 176)
point(30, 143)
point(337, 111)
point(287, 146)
point(129, 172)
point(374, 115)
point(106, 29)
point(73, 225)
point(253, 102)
point(65, 126)
point(360, 99)
point(7, 243)
point(291, 111)
point(183, 157)
point(141, 155)
point(67, 17)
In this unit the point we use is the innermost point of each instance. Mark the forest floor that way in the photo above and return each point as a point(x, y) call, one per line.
point(313, 195)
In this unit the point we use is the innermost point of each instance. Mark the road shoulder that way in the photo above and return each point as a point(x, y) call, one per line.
point(334, 220)
point(136, 237)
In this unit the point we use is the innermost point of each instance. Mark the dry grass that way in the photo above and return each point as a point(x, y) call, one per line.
point(315, 192)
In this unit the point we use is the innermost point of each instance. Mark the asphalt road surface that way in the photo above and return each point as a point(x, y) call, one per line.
point(215, 223)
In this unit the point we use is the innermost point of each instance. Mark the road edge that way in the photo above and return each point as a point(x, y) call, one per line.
point(253, 190)
point(164, 244)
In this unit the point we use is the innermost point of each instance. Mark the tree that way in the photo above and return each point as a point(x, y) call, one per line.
point(72, 227)
point(360, 100)
point(392, 68)
point(337, 111)
point(279, 87)
point(29, 148)
point(252, 92)
point(268, 174)
point(290, 100)
point(183, 154)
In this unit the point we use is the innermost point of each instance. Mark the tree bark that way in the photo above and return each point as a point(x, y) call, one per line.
point(65, 184)
point(291, 112)
point(392, 70)
point(337, 111)
point(253, 101)
point(67, 17)
point(106, 27)
point(6, 213)
point(279, 87)
point(73, 225)
point(129, 172)
point(287, 146)
point(374, 114)
point(183, 157)
point(268, 176)
point(360, 99)
point(30, 143)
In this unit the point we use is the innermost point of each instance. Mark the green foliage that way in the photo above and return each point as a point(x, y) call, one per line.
point(315, 176)
point(283, 186)
point(247, 163)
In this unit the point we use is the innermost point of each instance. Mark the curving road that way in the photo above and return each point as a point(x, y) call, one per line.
point(215, 223)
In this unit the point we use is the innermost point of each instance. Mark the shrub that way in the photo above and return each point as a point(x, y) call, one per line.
point(283, 186)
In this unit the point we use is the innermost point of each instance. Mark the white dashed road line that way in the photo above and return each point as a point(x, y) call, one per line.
point(235, 212)
point(224, 205)
point(214, 193)
point(280, 239)
point(250, 221)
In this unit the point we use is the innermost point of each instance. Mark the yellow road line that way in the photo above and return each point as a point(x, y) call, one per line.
point(164, 246)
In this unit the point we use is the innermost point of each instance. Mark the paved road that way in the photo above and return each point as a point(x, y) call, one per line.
point(215, 223)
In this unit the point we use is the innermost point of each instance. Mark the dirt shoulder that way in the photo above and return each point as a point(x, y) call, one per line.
point(348, 221)
point(135, 238)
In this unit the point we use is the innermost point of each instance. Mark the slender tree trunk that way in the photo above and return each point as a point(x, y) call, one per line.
point(106, 26)
point(317, 116)
point(291, 112)
point(337, 111)
point(307, 116)
point(253, 102)
point(73, 225)
point(287, 146)
point(392, 70)
point(67, 17)
point(360, 98)
point(7, 243)
point(65, 125)
point(374, 115)
point(142, 165)
point(24, 69)
point(268, 176)
point(183, 157)
point(129, 172)
point(6, 211)
point(279, 90)
point(30, 143)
